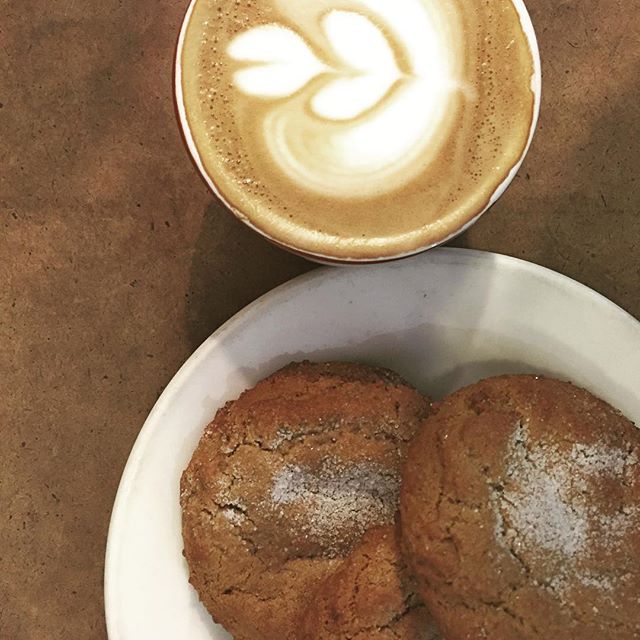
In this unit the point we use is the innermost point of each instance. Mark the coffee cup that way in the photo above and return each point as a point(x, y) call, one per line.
point(358, 130)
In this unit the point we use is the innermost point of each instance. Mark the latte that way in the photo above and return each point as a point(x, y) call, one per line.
point(357, 129)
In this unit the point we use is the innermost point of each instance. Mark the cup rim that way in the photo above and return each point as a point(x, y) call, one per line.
point(187, 136)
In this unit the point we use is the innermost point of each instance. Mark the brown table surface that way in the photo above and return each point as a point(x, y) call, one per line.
point(116, 262)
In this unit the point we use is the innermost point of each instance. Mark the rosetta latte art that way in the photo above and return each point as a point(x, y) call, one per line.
point(369, 118)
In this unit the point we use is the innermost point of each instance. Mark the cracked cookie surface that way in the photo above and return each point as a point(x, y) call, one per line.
point(283, 484)
point(370, 597)
point(525, 524)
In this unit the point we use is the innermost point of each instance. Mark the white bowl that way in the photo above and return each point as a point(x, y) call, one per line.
point(443, 319)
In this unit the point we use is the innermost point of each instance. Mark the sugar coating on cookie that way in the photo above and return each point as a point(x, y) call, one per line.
point(285, 481)
point(525, 524)
point(371, 596)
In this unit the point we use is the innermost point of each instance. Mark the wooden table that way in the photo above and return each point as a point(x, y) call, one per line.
point(116, 262)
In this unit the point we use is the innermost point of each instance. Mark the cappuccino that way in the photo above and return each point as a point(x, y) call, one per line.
point(357, 129)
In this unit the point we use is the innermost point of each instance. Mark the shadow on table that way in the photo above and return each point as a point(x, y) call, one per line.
point(232, 266)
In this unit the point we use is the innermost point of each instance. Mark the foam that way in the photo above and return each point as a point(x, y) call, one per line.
point(285, 63)
point(369, 71)
point(388, 118)
point(364, 123)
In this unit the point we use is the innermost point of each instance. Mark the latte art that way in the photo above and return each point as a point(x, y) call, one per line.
point(343, 127)
point(366, 121)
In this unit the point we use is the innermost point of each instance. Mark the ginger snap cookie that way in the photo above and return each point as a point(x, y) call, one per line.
point(285, 481)
point(372, 596)
point(520, 512)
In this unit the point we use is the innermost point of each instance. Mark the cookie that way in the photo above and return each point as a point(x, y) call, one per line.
point(525, 524)
point(283, 484)
point(370, 597)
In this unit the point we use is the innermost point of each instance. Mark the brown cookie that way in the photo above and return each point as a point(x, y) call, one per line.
point(285, 481)
point(370, 597)
point(526, 522)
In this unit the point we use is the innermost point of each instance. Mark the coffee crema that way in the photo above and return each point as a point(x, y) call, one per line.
point(357, 129)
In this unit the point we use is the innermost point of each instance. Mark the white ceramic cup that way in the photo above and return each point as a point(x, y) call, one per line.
point(536, 87)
